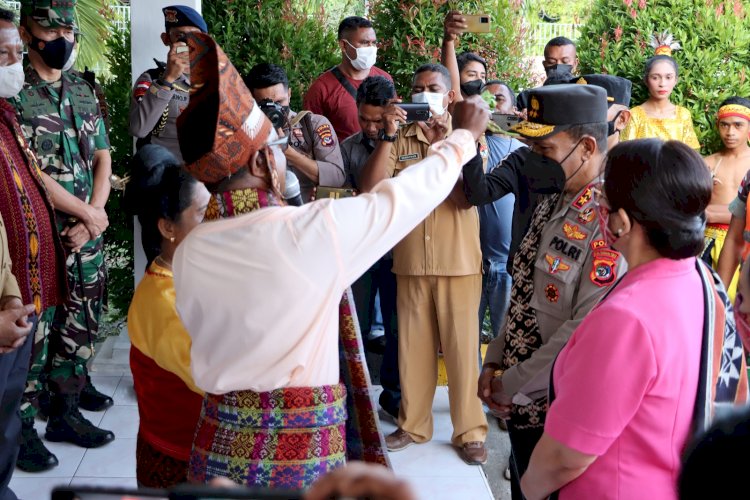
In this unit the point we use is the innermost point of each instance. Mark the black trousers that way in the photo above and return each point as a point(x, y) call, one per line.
point(522, 443)
point(14, 366)
point(379, 278)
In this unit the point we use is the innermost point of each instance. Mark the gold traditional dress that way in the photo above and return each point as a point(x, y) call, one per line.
point(678, 128)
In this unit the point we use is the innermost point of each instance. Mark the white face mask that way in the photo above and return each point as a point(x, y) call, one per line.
point(72, 59)
point(434, 99)
point(11, 80)
point(365, 57)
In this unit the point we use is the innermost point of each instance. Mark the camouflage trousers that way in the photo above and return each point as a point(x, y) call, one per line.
point(64, 340)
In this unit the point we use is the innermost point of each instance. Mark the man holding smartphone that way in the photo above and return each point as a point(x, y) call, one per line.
point(438, 269)
point(161, 94)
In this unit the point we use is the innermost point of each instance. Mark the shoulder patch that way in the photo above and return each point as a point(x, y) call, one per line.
point(573, 232)
point(597, 244)
point(603, 271)
point(141, 88)
point(325, 135)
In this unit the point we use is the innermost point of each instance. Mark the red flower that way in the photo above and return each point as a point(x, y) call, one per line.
point(739, 11)
point(618, 33)
point(641, 4)
point(633, 13)
point(628, 3)
point(720, 9)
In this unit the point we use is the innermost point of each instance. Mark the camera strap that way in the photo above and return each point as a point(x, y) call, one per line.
point(344, 82)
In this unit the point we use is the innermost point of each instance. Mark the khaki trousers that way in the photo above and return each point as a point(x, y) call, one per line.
point(434, 310)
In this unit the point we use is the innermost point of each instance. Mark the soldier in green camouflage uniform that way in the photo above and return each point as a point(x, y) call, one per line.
point(62, 120)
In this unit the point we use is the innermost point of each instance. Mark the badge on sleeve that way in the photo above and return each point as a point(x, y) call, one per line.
point(573, 232)
point(325, 135)
point(141, 88)
point(552, 293)
point(603, 269)
point(586, 215)
point(597, 244)
point(555, 264)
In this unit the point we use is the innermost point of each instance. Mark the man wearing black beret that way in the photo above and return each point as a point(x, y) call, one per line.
point(161, 94)
point(562, 266)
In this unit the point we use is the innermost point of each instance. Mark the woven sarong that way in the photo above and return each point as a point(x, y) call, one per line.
point(283, 439)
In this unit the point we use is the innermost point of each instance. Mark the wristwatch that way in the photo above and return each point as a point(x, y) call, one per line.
point(165, 84)
point(388, 138)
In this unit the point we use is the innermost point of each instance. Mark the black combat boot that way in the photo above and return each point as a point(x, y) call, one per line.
point(42, 403)
point(91, 399)
point(33, 456)
point(67, 424)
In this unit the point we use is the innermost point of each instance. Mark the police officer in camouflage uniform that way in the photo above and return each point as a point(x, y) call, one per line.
point(314, 155)
point(161, 94)
point(62, 120)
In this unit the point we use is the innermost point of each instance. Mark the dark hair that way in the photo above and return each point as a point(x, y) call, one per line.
point(651, 62)
point(159, 188)
point(7, 15)
point(465, 58)
point(665, 187)
point(500, 82)
point(736, 100)
point(265, 75)
point(717, 453)
point(352, 23)
point(558, 41)
point(375, 91)
point(435, 68)
point(596, 130)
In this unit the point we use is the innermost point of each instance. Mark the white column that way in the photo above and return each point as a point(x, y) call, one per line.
point(146, 26)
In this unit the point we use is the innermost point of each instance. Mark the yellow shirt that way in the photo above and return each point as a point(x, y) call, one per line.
point(446, 243)
point(154, 327)
point(678, 128)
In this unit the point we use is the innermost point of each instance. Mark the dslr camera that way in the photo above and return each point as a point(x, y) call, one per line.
point(275, 112)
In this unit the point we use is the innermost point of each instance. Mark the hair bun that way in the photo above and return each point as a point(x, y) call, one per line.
point(146, 173)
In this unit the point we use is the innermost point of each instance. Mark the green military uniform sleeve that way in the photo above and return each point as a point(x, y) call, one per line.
point(101, 137)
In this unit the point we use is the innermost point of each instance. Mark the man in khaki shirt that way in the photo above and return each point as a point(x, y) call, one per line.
point(15, 349)
point(438, 268)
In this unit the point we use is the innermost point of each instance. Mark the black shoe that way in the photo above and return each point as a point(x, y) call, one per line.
point(33, 455)
point(67, 424)
point(92, 400)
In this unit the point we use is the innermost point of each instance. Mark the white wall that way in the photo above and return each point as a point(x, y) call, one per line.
point(146, 24)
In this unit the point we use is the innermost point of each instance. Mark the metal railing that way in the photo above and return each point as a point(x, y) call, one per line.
point(544, 32)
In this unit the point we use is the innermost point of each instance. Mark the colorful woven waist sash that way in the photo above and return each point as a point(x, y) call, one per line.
point(284, 438)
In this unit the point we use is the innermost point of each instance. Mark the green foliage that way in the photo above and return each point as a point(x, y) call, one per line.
point(411, 34)
point(283, 32)
point(94, 23)
point(715, 36)
point(119, 236)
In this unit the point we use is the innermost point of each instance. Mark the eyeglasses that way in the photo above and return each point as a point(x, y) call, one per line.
point(282, 142)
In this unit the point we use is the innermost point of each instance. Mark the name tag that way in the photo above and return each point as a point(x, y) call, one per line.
point(412, 156)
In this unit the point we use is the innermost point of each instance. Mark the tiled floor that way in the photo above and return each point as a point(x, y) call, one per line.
point(434, 468)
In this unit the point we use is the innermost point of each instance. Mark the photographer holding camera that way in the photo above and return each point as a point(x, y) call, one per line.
point(314, 155)
point(162, 93)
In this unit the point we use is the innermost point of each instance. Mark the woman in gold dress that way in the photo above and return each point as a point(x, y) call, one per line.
point(658, 116)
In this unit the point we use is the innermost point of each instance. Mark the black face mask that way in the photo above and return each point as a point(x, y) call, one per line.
point(545, 175)
point(611, 124)
point(473, 87)
point(55, 53)
point(559, 72)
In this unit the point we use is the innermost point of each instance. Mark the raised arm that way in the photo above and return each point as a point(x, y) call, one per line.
point(454, 25)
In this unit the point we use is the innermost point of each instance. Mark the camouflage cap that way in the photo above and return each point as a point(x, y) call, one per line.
point(50, 13)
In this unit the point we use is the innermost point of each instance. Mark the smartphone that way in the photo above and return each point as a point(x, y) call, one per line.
point(478, 23)
point(416, 112)
point(505, 122)
point(323, 192)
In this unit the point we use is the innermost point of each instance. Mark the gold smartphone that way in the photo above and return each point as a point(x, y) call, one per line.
point(478, 23)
